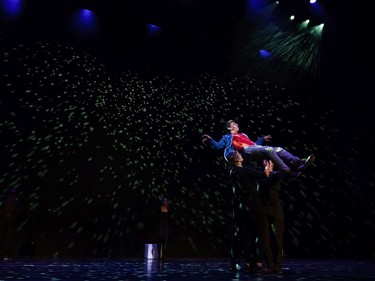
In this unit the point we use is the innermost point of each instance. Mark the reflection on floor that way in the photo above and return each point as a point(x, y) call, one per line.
point(180, 269)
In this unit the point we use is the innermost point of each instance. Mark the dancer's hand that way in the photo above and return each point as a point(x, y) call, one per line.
point(268, 167)
point(267, 138)
point(206, 137)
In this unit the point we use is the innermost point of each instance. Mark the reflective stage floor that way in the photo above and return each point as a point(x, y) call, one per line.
point(180, 269)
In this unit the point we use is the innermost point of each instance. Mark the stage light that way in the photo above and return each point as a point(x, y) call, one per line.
point(153, 30)
point(12, 8)
point(84, 22)
point(264, 54)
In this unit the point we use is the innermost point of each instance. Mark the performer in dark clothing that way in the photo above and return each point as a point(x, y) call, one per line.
point(248, 216)
point(164, 227)
point(8, 221)
point(274, 232)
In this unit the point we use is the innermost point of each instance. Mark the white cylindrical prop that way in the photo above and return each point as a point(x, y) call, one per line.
point(151, 251)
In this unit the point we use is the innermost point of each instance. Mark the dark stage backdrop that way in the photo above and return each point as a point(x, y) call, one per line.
point(91, 152)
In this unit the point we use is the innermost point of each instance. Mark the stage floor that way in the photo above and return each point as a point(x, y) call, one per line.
point(178, 269)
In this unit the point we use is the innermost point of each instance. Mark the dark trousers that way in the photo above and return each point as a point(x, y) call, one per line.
point(163, 236)
point(279, 156)
point(6, 236)
point(274, 235)
point(248, 226)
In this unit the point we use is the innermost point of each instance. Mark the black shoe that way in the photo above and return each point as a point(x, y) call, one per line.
point(262, 270)
point(277, 269)
point(249, 268)
point(307, 162)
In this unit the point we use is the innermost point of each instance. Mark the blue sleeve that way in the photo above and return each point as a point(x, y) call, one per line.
point(222, 143)
point(260, 141)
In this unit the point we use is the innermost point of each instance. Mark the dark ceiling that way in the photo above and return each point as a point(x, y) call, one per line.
point(195, 34)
